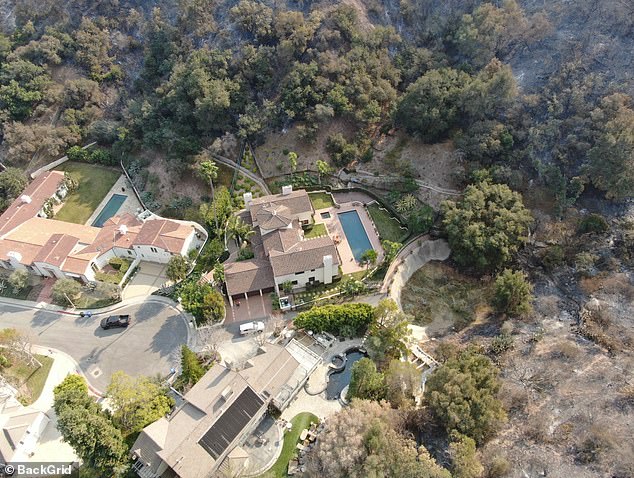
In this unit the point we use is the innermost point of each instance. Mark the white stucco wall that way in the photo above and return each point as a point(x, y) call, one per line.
point(147, 254)
point(302, 279)
point(48, 270)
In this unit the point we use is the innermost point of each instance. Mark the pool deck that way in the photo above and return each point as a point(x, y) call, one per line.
point(130, 205)
point(335, 229)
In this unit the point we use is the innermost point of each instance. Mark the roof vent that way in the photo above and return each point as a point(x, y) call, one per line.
point(26, 199)
point(226, 393)
point(286, 190)
point(248, 198)
point(123, 229)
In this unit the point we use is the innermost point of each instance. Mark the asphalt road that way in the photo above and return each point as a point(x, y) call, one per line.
point(149, 346)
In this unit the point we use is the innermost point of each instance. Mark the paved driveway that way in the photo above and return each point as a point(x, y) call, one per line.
point(151, 345)
point(149, 278)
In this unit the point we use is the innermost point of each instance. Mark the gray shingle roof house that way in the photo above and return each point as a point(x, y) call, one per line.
point(219, 412)
point(282, 254)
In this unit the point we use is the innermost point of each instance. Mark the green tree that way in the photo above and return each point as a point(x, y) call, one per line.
point(387, 332)
point(219, 273)
point(136, 401)
point(19, 279)
point(369, 257)
point(487, 226)
point(431, 106)
point(66, 291)
point(191, 369)
point(95, 440)
point(464, 461)
point(202, 301)
point(462, 395)
point(12, 183)
point(610, 163)
point(86, 427)
point(323, 168)
point(403, 382)
point(336, 318)
point(351, 287)
point(391, 249)
point(292, 161)
point(177, 268)
point(513, 293)
point(208, 171)
point(366, 382)
point(362, 441)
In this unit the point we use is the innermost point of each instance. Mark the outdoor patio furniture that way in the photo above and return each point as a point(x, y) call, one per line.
point(303, 434)
point(300, 447)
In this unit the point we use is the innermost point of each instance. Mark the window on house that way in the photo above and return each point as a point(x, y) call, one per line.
point(311, 279)
point(154, 249)
point(294, 282)
point(129, 252)
point(298, 273)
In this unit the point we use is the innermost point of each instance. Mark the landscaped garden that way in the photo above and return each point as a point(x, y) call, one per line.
point(28, 379)
point(289, 449)
point(321, 200)
point(316, 230)
point(94, 182)
point(389, 228)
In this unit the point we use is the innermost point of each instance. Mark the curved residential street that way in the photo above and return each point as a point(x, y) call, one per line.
point(149, 346)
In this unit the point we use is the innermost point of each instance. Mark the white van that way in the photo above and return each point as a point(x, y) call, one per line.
point(251, 328)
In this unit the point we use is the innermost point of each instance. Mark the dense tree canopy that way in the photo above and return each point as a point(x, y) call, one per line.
point(462, 396)
point(361, 441)
point(487, 226)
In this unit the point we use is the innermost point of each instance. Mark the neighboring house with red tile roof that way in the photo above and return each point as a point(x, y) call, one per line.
point(282, 253)
point(30, 240)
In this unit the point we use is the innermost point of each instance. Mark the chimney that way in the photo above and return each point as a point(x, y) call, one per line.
point(248, 199)
point(286, 190)
point(123, 229)
point(15, 259)
point(328, 269)
point(26, 199)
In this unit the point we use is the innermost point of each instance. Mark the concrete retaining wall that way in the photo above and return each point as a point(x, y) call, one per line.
point(427, 251)
point(55, 163)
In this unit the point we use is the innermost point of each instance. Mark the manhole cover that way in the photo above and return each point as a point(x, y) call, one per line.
point(96, 372)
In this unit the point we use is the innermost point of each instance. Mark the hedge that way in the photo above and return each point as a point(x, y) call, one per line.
point(336, 319)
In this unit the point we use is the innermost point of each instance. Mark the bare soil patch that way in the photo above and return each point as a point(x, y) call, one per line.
point(273, 162)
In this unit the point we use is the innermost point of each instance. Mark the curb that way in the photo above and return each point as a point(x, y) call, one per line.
point(78, 369)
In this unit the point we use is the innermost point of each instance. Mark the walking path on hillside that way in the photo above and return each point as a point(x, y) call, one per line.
point(227, 162)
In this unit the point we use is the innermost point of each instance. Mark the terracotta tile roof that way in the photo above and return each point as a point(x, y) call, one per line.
point(304, 256)
point(163, 233)
point(26, 251)
point(38, 230)
point(297, 202)
point(248, 276)
point(56, 249)
point(41, 188)
point(76, 265)
point(113, 235)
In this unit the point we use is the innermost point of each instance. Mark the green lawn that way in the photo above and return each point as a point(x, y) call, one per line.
point(316, 231)
point(389, 228)
point(94, 183)
point(279, 469)
point(321, 200)
point(33, 376)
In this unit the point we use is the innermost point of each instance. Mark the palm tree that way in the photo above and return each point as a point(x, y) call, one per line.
point(292, 159)
point(238, 229)
point(322, 168)
point(208, 170)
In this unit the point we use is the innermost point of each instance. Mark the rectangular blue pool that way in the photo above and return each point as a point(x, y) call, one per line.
point(110, 209)
point(355, 233)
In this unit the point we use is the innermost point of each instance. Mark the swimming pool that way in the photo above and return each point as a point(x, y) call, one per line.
point(355, 233)
point(110, 209)
point(337, 381)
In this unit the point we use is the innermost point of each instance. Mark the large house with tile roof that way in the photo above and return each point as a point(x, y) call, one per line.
point(44, 246)
point(281, 252)
point(204, 436)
